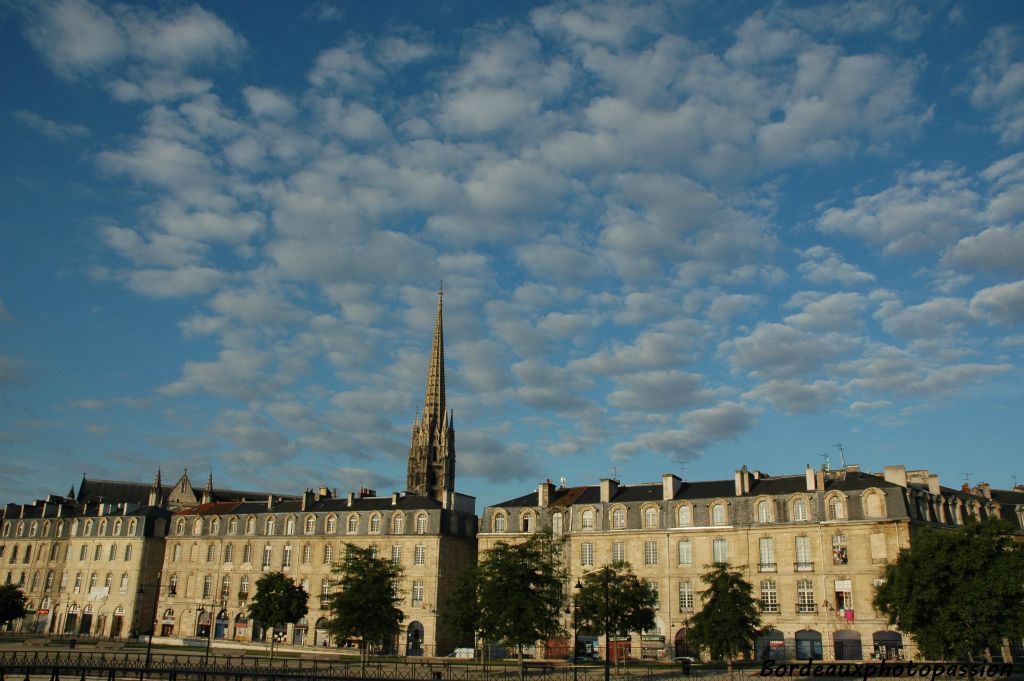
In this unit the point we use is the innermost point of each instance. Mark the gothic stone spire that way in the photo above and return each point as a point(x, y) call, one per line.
point(432, 453)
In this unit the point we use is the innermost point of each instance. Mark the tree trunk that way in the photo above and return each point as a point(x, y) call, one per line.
point(363, 654)
point(271, 647)
point(522, 668)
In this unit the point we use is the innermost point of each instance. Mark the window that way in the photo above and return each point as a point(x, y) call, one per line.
point(78, 582)
point(375, 524)
point(229, 553)
point(556, 524)
point(243, 587)
point(332, 524)
point(839, 549)
point(764, 511)
point(28, 554)
point(7, 529)
point(48, 584)
point(131, 526)
point(83, 553)
point(289, 525)
point(269, 526)
point(207, 587)
point(92, 581)
point(33, 529)
point(233, 526)
point(587, 520)
point(54, 551)
point(718, 514)
point(74, 529)
point(267, 553)
point(177, 553)
point(650, 517)
point(766, 553)
point(835, 509)
point(803, 554)
point(225, 588)
point(247, 554)
point(197, 526)
point(328, 554)
point(421, 524)
point(874, 506)
point(618, 552)
point(720, 551)
point(618, 519)
point(112, 555)
point(499, 522)
point(353, 524)
point(172, 586)
point(108, 580)
point(21, 529)
point(194, 553)
point(211, 553)
point(215, 526)
point(685, 596)
point(686, 552)
point(419, 555)
point(287, 560)
point(398, 524)
point(844, 594)
point(527, 522)
point(769, 596)
point(325, 586)
point(63, 581)
point(586, 554)
point(417, 593)
point(128, 552)
point(878, 550)
point(124, 582)
point(650, 553)
point(250, 526)
point(98, 553)
point(310, 526)
point(805, 596)
point(117, 527)
point(396, 555)
point(800, 510)
point(307, 554)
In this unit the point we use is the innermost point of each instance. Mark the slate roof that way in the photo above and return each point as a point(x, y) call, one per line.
point(408, 502)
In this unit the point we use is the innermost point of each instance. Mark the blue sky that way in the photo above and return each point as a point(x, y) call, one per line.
point(674, 237)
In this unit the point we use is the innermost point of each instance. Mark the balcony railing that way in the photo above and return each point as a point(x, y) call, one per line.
point(766, 567)
point(801, 566)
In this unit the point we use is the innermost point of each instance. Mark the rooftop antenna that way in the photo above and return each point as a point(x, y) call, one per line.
point(967, 478)
point(825, 456)
point(615, 472)
point(842, 452)
point(682, 470)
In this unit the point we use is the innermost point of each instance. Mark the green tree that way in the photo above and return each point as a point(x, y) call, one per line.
point(460, 611)
point(12, 603)
point(957, 591)
point(630, 604)
point(365, 604)
point(729, 621)
point(519, 590)
point(278, 600)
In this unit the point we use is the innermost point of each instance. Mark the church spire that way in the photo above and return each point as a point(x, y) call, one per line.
point(432, 453)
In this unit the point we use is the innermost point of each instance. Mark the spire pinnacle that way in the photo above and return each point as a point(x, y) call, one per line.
point(434, 401)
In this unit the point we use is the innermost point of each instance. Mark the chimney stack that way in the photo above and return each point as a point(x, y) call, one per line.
point(670, 485)
point(609, 488)
point(810, 478)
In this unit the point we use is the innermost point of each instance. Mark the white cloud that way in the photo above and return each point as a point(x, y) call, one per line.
point(175, 283)
point(76, 37)
point(659, 391)
point(51, 129)
point(997, 249)
point(824, 266)
point(778, 351)
point(1001, 304)
point(836, 312)
point(935, 318)
point(268, 102)
point(997, 80)
point(794, 397)
point(665, 346)
point(725, 421)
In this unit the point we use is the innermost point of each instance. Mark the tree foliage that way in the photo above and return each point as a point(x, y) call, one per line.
point(957, 591)
point(630, 605)
point(365, 603)
point(519, 590)
point(729, 621)
point(278, 600)
point(461, 608)
point(13, 603)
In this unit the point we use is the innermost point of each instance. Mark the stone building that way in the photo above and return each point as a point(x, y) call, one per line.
point(813, 546)
point(217, 551)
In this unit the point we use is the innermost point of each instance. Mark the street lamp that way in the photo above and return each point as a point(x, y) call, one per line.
point(152, 619)
point(606, 579)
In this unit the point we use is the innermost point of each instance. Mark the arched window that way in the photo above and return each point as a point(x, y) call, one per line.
point(310, 524)
point(718, 514)
point(132, 524)
point(88, 528)
point(117, 527)
point(618, 519)
point(587, 520)
point(270, 525)
point(684, 516)
point(74, 529)
point(353, 524)
point(421, 524)
point(398, 524)
point(375, 523)
point(556, 524)
point(835, 508)
point(289, 525)
point(103, 528)
point(499, 522)
point(800, 510)
point(764, 511)
point(331, 526)
point(197, 526)
point(176, 553)
point(233, 526)
point(33, 529)
point(215, 526)
point(650, 517)
point(527, 522)
point(179, 527)
point(873, 504)
point(250, 525)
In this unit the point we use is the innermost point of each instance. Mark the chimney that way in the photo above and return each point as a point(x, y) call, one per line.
point(544, 491)
point(609, 488)
point(22, 515)
point(394, 498)
point(60, 510)
point(985, 490)
point(670, 485)
point(820, 475)
point(896, 475)
point(965, 488)
point(324, 492)
point(853, 468)
point(810, 478)
point(46, 507)
point(933, 484)
point(351, 499)
point(270, 501)
point(742, 480)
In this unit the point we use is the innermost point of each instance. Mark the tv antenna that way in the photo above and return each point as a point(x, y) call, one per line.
point(682, 470)
point(967, 478)
point(827, 463)
point(842, 452)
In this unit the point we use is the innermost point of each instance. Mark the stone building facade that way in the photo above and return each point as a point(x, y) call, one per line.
point(813, 546)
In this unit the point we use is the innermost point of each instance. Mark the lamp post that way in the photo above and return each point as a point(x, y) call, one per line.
point(606, 579)
point(152, 618)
